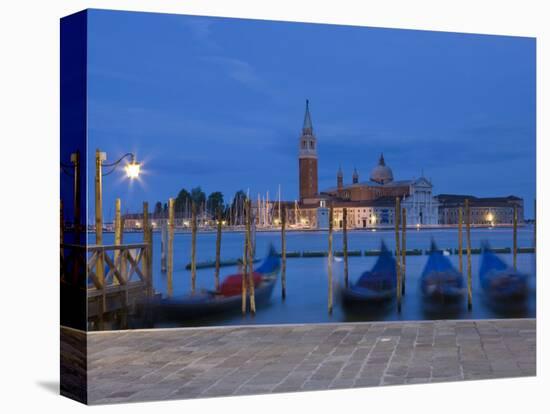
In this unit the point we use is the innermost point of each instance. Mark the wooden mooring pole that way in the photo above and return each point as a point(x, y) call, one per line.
point(469, 252)
point(330, 229)
point(345, 242)
point(163, 246)
point(397, 215)
point(118, 236)
point(148, 239)
point(460, 248)
point(283, 253)
point(244, 274)
point(218, 249)
point(250, 258)
point(515, 238)
point(118, 232)
point(170, 256)
point(403, 249)
point(193, 246)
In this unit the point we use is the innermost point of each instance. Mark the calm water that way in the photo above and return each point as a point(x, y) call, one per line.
point(307, 279)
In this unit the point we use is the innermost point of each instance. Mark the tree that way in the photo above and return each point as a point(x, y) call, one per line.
point(198, 196)
point(183, 200)
point(237, 207)
point(158, 208)
point(214, 202)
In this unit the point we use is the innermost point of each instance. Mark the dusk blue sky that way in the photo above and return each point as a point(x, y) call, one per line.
point(219, 103)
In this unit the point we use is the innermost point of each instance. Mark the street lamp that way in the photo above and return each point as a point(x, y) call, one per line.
point(132, 171)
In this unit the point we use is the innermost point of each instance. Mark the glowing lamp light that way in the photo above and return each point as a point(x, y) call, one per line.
point(133, 169)
point(490, 217)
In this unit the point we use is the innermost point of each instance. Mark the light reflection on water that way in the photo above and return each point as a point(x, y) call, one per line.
point(307, 280)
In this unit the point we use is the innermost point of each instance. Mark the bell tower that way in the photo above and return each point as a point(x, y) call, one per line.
point(307, 158)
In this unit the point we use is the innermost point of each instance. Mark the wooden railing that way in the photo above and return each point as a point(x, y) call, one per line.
point(112, 271)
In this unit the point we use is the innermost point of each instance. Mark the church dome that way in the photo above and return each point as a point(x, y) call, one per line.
point(381, 174)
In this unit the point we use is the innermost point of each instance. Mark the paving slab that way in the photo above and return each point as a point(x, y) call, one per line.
point(145, 365)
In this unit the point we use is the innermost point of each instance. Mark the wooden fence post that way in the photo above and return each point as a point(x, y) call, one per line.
point(469, 252)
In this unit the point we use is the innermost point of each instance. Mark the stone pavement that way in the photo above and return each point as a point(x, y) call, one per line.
point(146, 365)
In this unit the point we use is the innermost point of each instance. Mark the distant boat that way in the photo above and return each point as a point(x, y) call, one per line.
point(228, 298)
point(375, 285)
point(440, 282)
point(500, 282)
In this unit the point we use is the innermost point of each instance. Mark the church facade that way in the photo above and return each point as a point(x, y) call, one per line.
point(369, 203)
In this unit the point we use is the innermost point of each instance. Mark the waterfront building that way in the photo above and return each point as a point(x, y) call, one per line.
point(369, 203)
point(491, 211)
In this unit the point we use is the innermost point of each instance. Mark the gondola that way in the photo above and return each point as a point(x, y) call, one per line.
point(500, 282)
point(440, 282)
point(375, 285)
point(228, 298)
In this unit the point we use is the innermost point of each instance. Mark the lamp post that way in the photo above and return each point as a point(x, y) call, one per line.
point(132, 171)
